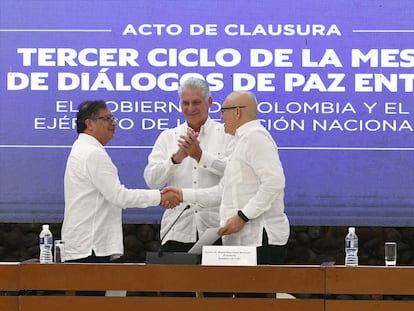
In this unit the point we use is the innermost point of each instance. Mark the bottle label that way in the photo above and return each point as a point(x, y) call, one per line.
point(46, 240)
point(351, 243)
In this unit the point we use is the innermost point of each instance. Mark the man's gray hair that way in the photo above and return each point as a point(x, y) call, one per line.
point(195, 83)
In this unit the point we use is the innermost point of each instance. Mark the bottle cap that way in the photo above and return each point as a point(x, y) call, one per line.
point(45, 227)
point(351, 229)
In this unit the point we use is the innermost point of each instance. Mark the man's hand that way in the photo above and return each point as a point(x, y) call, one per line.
point(171, 197)
point(190, 144)
point(233, 225)
point(180, 155)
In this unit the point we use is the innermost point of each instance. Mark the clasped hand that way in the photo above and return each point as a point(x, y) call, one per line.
point(171, 197)
point(190, 146)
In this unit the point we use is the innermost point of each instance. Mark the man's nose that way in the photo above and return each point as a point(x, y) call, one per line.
point(191, 107)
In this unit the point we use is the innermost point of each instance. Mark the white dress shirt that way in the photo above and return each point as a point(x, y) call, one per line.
point(160, 170)
point(94, 198)
point(254, 183)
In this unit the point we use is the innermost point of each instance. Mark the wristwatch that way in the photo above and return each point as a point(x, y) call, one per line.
point(173, 161)
point(242, 216)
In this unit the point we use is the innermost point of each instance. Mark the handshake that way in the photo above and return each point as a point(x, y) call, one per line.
point(171, 197)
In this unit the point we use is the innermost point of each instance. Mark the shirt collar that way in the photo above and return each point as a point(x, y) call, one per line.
point(205, 127)
point(246, 127)
point(90, 139)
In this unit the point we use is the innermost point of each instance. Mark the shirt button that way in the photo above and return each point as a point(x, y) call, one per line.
point(195, 167)
point(205, 166)
point(194, 182)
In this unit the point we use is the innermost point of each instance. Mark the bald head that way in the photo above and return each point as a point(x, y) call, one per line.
point(246, 99)
point(239, 108)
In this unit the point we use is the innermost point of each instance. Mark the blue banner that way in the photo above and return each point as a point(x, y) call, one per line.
point(334, 81)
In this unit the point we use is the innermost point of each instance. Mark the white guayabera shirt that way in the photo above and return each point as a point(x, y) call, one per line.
point(216, 146)
point(254, 183)
point(94, 198)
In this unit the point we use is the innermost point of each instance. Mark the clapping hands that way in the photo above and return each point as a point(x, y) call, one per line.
point(190, 145)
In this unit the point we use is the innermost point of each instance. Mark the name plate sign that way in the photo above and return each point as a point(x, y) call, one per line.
point(217, 255)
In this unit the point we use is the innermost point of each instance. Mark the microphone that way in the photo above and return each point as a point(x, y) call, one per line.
point(170, 228)
point(178, 258)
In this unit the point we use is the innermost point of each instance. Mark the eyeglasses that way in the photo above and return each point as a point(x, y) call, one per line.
point(108, 118)
point(232, 107)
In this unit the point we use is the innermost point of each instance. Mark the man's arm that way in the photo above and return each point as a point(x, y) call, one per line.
point(162, 162)
point(263, 157)
point(233, 225)
point(104, 175)
point(202, 196)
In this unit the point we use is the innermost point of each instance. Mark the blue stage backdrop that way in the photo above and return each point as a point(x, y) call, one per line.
point(334, 82)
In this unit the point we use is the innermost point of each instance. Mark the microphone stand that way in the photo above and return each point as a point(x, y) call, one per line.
point(160, 253)
point(167, 258)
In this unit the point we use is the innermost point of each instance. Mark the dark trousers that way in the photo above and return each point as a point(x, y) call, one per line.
point(175, 246)
point(270, 254)
point(91, 259)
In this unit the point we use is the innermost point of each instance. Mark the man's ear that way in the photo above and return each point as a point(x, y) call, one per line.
point(238, 113)
point(88, 123)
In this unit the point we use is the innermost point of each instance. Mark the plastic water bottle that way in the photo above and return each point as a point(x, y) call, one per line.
point(46, 244)
point(351, 248)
